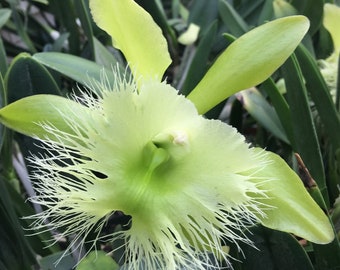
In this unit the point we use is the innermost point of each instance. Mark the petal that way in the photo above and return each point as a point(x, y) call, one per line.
point(249, 60)
point(135, 33)
point(332, 24)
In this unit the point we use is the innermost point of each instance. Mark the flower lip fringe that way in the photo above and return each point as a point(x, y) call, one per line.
point(187, 182)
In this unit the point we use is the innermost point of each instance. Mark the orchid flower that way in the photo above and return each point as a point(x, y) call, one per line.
point(191, 185)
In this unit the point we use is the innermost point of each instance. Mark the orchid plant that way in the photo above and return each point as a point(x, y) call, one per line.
point(191, 185)
point(329, 66)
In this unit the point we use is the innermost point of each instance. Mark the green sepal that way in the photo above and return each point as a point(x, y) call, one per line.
point(34, 79)
point(249, 60)
point(30, 115)
point(134, 32)
point(291, 208)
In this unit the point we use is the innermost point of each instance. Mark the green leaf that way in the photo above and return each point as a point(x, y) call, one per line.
point(23, 209)
point(281, 107)
point(274, 250)
point(232, 19)
point(327, 256)
point(27, 77)
point(251, 10)
point(15, 251)
point(77, 68)
point(28, 114)
point(337, 95)
point(5, 14)
point(307, 144)
point(291, 207)
point(104, 57)
point(21, 28)
point(249, 60)
point(49, 262)
point(81, 6)
point(203, 13)
point(3, 58)
point(45, 2)
point(313, 10)
point(65, 14)
point(97, 260)
point(282, 8)
point(3, 102)
point(267, 12)
point(136, 34)
point(262, 112)
point(198, 65)
point(320, 94)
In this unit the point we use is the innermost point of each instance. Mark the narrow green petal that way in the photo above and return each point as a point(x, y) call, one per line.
point(249, 60)
point(293, 209)
point(331, 22)
point(135, 33)
point(30, 115)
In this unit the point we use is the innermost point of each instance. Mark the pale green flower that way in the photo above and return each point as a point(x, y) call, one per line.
point(190, 184)
point(187, 182)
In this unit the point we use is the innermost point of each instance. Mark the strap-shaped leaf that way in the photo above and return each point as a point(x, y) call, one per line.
point(34, 79)
point(277, 250)
point(249, 60)
point(135, 33)
point(259, 108)
point(79, 69)
point(307, 144)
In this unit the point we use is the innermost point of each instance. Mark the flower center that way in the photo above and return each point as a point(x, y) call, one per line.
point(176, 143)
point(159, 154)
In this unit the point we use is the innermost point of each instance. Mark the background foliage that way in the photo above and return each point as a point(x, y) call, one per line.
point(294, 115)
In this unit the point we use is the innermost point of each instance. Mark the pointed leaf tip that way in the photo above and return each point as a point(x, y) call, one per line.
point(249, 60)
point(135, 33)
